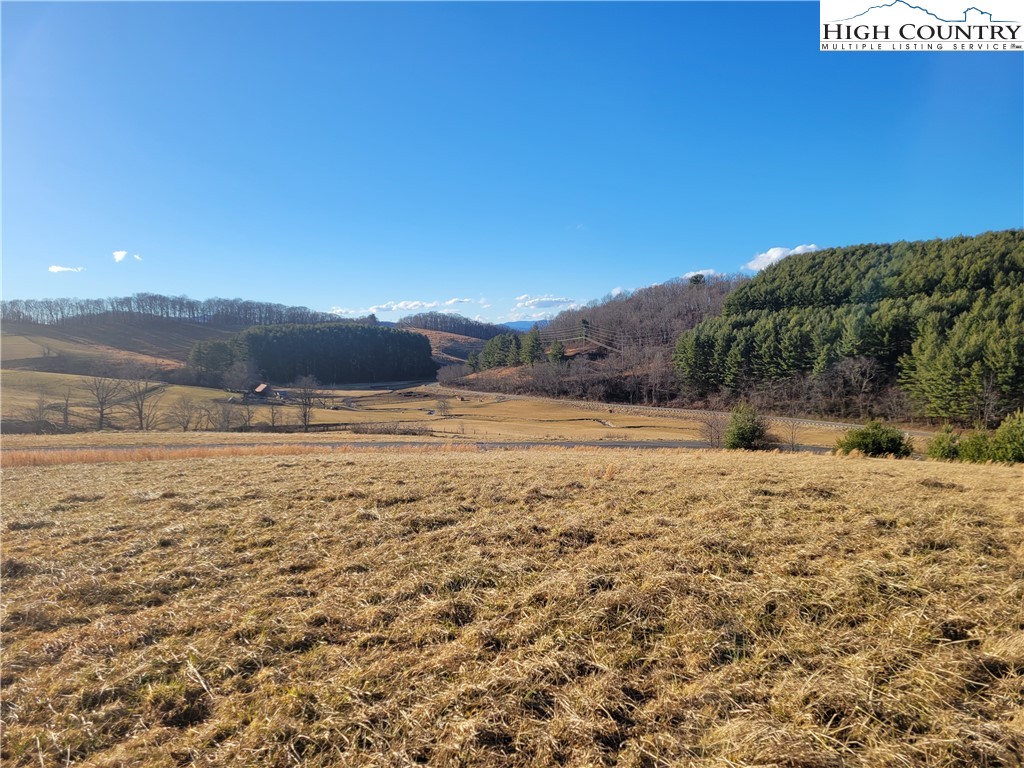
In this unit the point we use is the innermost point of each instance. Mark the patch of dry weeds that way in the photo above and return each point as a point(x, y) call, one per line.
point(548, 607)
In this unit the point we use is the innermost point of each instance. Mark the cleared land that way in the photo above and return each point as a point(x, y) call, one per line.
point(548, 607)
point(427, 411)
point(447, 348)
point(80, 347)
point(152, 339)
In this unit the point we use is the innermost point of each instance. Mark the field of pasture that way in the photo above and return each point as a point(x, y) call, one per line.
point(395, 412)
point(354, 607)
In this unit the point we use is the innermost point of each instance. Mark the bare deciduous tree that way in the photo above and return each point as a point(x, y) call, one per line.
point(105, 392)
point(143, 394)
point(183, 413)
point(789, 428)
point(712, 428)
point(246, 412)
point(241, 376)
point(225, 416)
point(38, 410)
point(275, 412)
point(306, 390)
point(65, 398)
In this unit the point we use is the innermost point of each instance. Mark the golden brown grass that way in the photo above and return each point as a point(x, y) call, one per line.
point(474, 417)
point(45, 458)
point(547, 607)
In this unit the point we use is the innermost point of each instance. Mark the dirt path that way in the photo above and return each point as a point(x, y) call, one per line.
point(665, 412)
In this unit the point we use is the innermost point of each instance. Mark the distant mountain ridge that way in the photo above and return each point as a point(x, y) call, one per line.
point(526, 325)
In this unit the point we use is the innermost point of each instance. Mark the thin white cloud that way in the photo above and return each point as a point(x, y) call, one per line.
point(773, 255)
point(137, 257)
point(119, 256)
point(705, 272)
point(513, 316)
point(55, 268)
point(404, 306)
point(617, 291)
point(542, 302)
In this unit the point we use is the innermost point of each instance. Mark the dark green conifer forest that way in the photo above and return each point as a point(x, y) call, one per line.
point(336, 354)
point(941, 320)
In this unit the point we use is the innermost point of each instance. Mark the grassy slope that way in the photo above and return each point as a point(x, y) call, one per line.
point(449, 348)
point(22, 389)
point(473, 417)
point(73, 348)
point(522, 608)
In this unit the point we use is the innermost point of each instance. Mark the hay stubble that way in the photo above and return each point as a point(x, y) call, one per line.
point(547, 607)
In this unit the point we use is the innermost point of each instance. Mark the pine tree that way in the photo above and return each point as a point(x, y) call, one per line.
point(532, 349)
point(557, 352)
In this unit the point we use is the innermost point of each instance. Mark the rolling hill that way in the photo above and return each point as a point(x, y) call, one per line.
point(449, 348)
point(79, 346)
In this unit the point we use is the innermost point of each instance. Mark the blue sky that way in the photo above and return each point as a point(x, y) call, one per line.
point(501, 160)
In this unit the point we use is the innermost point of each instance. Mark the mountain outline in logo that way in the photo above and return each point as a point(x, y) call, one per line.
point(935, 16)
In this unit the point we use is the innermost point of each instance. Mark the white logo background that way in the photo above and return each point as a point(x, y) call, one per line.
point(928, 16)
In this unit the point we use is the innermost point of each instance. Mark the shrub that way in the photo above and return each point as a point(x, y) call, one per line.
point(747, 430)
point(1008, 441)
point(875, 439)
point(945, 445)
point(975, 447)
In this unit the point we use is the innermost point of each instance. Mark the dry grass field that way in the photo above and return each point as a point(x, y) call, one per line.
point(77, 345)
point(514, 608)
point(440, 413)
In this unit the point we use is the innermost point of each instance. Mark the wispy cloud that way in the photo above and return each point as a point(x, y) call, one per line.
point(137, 257)
point(543, 302)
point(515, 316)
point(705, 272)
point(119, 256)
point(773, 255)
point(617, 291)
point(55, 268)
point(402, 306)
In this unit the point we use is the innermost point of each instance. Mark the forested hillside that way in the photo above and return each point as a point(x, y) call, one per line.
point(616, 349)
point(232, 313)
point(940, 323)
point(447, 322)
point(335, 353)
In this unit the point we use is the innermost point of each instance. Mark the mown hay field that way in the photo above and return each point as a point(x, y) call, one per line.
point(423, 410)
point(514, 608)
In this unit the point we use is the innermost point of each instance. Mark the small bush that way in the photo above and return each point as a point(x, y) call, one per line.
point(747, 430)
point(875, 439)
point(975, 447)
point(945, 445)
point(1007, 443)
